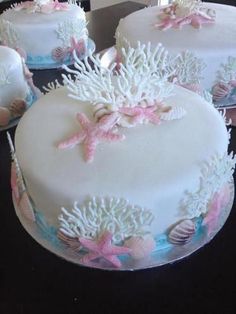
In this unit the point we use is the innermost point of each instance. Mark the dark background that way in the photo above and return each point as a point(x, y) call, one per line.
point(34, 281)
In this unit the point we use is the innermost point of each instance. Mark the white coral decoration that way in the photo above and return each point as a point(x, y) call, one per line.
point(4, 80)
point(227, 71)
point(52, 86)
point(188, 68)
point(71, 29)
point(142, 78)
point(187, 7)
point(98, 215)
point(215, 174)
point(8, 34)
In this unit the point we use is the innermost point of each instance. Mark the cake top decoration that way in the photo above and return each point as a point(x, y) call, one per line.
point(42, 6)
point(126, 94)
point(185, 12)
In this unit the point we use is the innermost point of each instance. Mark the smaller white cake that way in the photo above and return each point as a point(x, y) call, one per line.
point(46, 32)
point(17, 91)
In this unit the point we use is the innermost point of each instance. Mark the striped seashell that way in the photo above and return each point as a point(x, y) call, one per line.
point(5, 116)
point(99, 111)
point(72, 242)
point(59, 54)
point(17, 108)
point(26, 207)
point(140, 247)
point(182, 232)
point(174, 114)
point(220, 90)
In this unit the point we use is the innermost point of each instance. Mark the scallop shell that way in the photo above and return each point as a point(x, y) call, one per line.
point(5, 116)
point(140, 247)
point(59, 54)
point(72, 242)
point(220, 90)
point(17, 108)
point(182, 232)
point(26, 207)
point(99, 111)
point(174, 114)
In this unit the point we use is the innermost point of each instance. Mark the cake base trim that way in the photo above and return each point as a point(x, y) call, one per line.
point(47, 62)
point(46, 236)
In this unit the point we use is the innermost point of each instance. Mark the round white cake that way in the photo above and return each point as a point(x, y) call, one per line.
point(126, 159)
point(15, 92)
point(212, 44)
point(47, 38)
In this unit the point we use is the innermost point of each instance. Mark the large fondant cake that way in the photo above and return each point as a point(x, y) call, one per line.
point(17, 91)
point(45, 32)
point(202, 34)
point(126, 160)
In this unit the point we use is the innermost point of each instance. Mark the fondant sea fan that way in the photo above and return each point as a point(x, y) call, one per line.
point(99, 215)
point(141, 78)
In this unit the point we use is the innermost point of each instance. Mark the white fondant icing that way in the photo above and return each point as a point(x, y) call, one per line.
point(37, 33)
point(152, 168)
point(206, 43)
point(12, 81)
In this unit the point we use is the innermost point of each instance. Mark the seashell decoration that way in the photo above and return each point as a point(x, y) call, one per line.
point(72, 242)
point(182, 232)
point(174, 114)
point(5, 116)
point(26, 207)
point(220, 90)
point(140, 246)
point(17, 108)
point(99, 111)
point(59, 54)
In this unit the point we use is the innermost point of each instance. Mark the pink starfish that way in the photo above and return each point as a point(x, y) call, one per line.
point(92, 134)
point(140, 114)
point(103, 248)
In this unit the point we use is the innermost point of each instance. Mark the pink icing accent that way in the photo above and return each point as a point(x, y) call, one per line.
point(103, 247)
point(139, 114)
point(14, 185)
point(92, 134)
point(25, 207)
point(140, 247)
point(171, 21)
point(219, 201)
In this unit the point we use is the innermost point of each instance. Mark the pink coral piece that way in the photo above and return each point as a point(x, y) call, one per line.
point(92, 134)
point(59, 6)
point(103, 248)
point(140, 114)
point(77, 46)
point(140, 247)
point(25, 207)
point(219, 201)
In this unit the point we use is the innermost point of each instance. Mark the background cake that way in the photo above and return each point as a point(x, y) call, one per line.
point(45, 32)
point(133, 177)
point(202, 33)
point(17, 91)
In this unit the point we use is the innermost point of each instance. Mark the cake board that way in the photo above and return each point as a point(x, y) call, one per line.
point(166, 255)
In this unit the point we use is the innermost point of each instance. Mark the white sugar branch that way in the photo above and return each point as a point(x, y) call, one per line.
point(98, 215)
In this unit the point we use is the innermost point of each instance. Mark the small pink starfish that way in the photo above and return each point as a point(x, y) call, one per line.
point(92, 134)
point(140, 114)
point(103, 248)
point(58, 6)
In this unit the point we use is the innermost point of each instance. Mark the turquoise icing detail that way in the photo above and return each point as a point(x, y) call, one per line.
point(47, 232)
point(38, 62)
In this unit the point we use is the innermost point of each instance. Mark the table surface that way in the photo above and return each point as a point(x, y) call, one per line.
point(33, 280)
